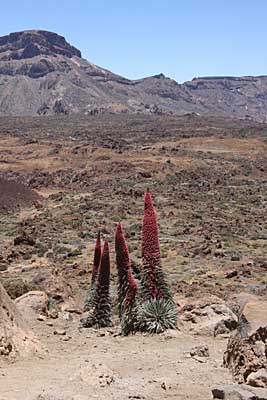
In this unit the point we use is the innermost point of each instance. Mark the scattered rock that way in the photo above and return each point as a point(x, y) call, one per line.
point(3, 267)
point(235, 257)
point(24, 238)
point(170, 334)
point(41, 317)
point(200, 351)
point(95, 375)
point(231, 274)
point(163, 386)
point(60, 332)
point(66, 316)
point(66, 338)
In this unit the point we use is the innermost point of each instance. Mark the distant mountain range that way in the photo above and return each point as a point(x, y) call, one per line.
point(42, 74)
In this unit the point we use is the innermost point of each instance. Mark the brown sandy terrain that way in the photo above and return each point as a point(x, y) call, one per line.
point(92, 366)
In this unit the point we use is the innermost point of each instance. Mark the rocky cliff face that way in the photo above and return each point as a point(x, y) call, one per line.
point(28, 44)
point(41, 73)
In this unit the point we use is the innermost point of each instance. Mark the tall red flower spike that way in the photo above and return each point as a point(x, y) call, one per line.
point(103, 276)
point(122, 254)
point(100, 302)
point(150, 245)
point(97, 257)
point(123, 265)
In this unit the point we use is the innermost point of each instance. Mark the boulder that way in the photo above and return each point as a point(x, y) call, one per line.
point(211, 316)
point(247, 346)
point(32, 304)
point(258, 379)
point(15, 335)
point(55, 286)
point(239, 392)
point(15, 287)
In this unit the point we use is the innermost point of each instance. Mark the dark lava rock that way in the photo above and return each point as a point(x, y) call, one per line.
point(3, 267)
point(24, 239)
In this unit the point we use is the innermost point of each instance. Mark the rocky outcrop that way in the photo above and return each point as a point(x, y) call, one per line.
point(246, 352)
point(240, 392)
point(32, 304)
point(15, 336)
point(56, 287)
point(32, 43)
point(210, 316)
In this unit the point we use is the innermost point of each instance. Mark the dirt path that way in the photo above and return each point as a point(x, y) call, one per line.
point(89, 366)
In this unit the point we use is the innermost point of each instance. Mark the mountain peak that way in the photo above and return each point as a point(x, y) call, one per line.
point(31, 43)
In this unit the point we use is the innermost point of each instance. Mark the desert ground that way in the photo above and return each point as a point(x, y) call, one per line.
point(207, 177)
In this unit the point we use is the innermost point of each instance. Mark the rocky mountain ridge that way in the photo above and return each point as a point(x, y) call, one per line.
point(42, 74)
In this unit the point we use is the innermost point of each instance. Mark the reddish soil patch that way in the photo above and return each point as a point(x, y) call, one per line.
point(14, 195)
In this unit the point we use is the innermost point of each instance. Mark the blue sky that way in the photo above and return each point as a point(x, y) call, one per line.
point(183, 39)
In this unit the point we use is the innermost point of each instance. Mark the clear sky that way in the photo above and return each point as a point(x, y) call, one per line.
point(137, 38)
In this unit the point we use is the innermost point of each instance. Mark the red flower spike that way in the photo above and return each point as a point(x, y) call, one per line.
point(123, 265)
point(150, 244)
point(150, 239)
point(122, 254)
point(131, 291)
point(103, 276)
point(97, 257)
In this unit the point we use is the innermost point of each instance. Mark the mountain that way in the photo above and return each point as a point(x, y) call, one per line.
point(42, 74)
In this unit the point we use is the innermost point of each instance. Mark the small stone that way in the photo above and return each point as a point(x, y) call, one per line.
point(170, 334)
point(199, 359)
point(66, 338)
point(219, 253)
point(53, 314)
point(163, 386)
point(200, 351)
point(231, 274)
point(66, 316)
point(41, 317)
point(60, 332)
point(235, 257)
point(3, 267)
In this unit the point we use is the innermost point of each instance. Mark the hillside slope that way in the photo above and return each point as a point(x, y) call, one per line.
point(42, 74)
